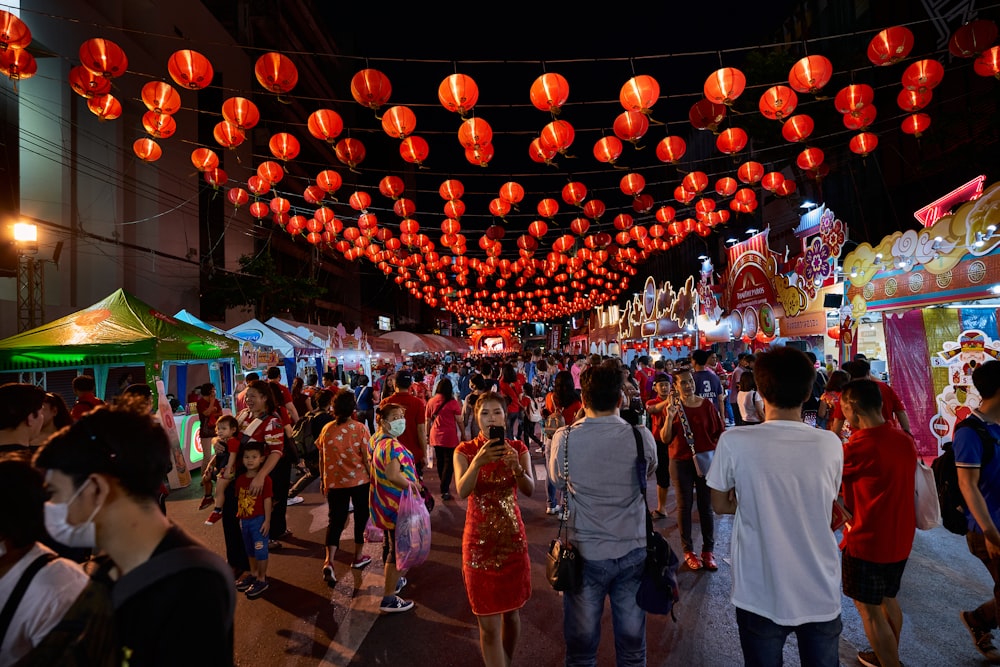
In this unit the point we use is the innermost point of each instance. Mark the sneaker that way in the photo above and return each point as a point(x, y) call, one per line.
point(361, 562)
point(206, 502)
point(214, 517)
point(708, 560)
point(445, 496)
point(868, 659)
point(328, 576)
point(395, 604)
point(983, 639)
point(295, 500)
point(274, 544)
point(555, 509)
point(401, 584)
point(246, 582)
point(691, 560)
point(257, 589)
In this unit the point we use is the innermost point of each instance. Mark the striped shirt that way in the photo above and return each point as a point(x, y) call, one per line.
point(384, 496)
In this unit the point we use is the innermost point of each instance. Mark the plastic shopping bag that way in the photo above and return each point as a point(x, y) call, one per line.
point(373, 533)
point(413, 530)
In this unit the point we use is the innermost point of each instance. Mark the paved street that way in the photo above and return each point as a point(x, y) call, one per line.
point(301, 622)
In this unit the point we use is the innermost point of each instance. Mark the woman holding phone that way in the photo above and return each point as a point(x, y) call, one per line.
point(490, 471)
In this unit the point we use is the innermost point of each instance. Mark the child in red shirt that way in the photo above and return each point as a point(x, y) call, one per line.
point(223, 464)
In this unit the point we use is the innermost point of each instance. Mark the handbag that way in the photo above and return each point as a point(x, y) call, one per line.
point(658, 590)
point(563, 563)
point(925, 496)
point(840, 515)
point(702, 460)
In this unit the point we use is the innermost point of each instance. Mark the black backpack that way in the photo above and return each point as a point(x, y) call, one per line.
point(953, 506)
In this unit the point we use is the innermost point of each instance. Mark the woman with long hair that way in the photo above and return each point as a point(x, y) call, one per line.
point(563, 398)
point(495, 564)
point(393, 470)
point(444, 431)
point(750, 403)
point(344, 464)
point(55, 415)
point(510, 390)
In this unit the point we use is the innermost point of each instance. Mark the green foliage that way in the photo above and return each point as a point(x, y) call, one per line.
point(263, 287)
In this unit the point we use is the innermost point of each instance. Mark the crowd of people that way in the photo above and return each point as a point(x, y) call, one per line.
point(90, 536)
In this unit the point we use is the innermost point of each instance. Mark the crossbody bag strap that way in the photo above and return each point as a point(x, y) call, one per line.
point(563, 527)
point(640, 468)
point(7, 615)
point(686, 425)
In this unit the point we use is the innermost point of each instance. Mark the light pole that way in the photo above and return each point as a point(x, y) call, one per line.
point(30, 278)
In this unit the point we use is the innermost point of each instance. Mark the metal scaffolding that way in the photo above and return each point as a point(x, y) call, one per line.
point(30, 293)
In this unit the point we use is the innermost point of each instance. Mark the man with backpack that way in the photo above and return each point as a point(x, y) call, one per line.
point(979, 480)
point(304, 433)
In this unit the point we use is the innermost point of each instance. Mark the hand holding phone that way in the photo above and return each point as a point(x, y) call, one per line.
point(497, 433)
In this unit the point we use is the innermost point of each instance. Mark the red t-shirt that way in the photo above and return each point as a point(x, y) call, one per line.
point(248, 505)
point(286, 395)
point(208, 420)
point(706, 427)
point(414, 420)
point(879, 467)
point(656, 419)
point(644, 378)
point(84, 404)
point(890, 405)
point(511, 391)
point(569, 412)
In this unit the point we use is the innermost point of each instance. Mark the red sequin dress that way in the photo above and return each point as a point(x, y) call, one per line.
point(495, 563)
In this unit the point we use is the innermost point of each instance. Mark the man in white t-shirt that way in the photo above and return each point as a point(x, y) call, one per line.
point(780, 479)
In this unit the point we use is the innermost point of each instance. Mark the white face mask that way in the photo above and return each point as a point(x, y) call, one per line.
point(83, 535)
point(396, 427)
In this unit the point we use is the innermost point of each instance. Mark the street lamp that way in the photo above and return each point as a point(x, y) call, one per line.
point(30, 278)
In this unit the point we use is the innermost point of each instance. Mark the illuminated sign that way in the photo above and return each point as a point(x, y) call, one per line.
point(384, 323)
point(939, 208)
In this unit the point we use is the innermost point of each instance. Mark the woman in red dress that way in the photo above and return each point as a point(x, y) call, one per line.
point(495, 565)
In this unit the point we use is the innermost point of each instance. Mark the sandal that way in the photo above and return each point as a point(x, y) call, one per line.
point(692, 561)
point(657, 514)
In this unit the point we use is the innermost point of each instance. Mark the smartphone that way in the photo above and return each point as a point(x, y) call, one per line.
point(497, 433)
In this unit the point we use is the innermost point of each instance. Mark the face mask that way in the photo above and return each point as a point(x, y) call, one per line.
point(83, 535)
point(396, 427)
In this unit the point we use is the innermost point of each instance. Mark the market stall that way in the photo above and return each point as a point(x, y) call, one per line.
point(413, 343)
point(290, 348)
point(342, 352)
point(936, 291)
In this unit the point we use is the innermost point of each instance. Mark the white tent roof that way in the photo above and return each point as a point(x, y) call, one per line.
point(287, 344)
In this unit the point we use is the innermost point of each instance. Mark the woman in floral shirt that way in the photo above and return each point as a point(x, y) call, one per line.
point(343, 462)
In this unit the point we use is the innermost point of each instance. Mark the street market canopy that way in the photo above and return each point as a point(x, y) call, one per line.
point(430, 343)
point(288, 344)
point(119, 330)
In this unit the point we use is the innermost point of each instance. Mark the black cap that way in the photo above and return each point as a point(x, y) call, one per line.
point(403, 379)
point(661, 377)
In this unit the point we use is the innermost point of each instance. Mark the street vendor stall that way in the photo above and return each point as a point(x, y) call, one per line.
point(936, 291)
point(342, 352)
point(290, 347)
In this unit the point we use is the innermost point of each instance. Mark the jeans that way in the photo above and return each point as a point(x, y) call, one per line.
point(551, 488)
point(513, 424)
point(444, 461)
point(985, 615)
point(762, 641)
point(687, 485)
point(617, 578)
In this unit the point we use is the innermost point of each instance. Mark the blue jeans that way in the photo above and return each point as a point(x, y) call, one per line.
point(617, 578)
point(762, 641)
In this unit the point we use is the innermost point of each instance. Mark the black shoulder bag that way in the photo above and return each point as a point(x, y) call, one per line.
point(658, 590)
point(563, 563)
point(7, 615)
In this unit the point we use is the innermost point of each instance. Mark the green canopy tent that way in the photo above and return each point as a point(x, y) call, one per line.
point(119, 330)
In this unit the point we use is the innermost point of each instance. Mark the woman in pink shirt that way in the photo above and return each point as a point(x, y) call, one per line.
point(444, 431)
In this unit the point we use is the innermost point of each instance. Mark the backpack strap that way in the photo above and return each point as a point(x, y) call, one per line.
point(7, 615)
point(170, 563)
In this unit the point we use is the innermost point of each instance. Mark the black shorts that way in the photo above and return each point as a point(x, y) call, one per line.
point(662, 465)
point(869, 582)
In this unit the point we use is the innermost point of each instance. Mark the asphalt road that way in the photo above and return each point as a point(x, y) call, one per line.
point(299, 621)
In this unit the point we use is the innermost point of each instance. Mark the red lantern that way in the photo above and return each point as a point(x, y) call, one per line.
point(237, 196)
point(276, 72)
point(539, 153)
point(399, 122)
point(706, 115)
point(313, 194)
point(594, 209)
point(643, 203)
point(810, 74)
point(160, 97)
point(810, 158)
point(189, 69)
point(158, 125)
point(103, 57)
point(499, 207)
point(913, 100)
point(258, 185)
point(325, 124)
point(329, 181)
point(350, 151)
point(574, 193)
point(745, 196)
point(18, 64)
point(227, 134)
point(786, 188)
point(259, 210)
point(549, 92)
point(147, 150)
point(988, 64)
point(608, 149)
point(241, 112)
point(360, 201)
point(916, 124)
point(14, 33)
point(548, 207)
point(86, 84)
point(854, 97)
point(833, 332)
point(726, 186)
point(391, 186)
point(731, 140)
point(973, 38)
point(861, 119)
point(923, 75)
point(778, 102)
point(458, 93)
point(511, 192)
point(371, 88)
point(579, 226)
point(451, 189)
point(863, 143)
point(890, 46)
point(639, 94)
point(695, 181)
point(632, 184)
point(682, 195)
point(105, 107)
point(414, 149)
point(480, 155)
point(216, 177)
point(557, 136)
point(797, 128)
point(538, 229)
point(671, 149)
point(724, 85)
point(631, 126)
point(271, 172)
point(772, 180)
point(473, 132)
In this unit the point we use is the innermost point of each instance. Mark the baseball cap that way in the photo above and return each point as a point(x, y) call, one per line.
point(661, 377)
point(403, 379)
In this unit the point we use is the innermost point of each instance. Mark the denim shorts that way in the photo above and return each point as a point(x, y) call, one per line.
point(255, 543)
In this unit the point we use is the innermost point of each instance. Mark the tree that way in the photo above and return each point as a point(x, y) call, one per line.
point(260, 286)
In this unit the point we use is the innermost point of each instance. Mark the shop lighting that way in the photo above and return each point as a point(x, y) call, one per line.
point(980, 240)
point(807, 204)
point(732, 240)
point(854, 273)
point(995, 289)
point(703, 257)
point(752, 231)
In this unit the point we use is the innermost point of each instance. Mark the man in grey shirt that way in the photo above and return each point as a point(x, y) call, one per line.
point(607, 520)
